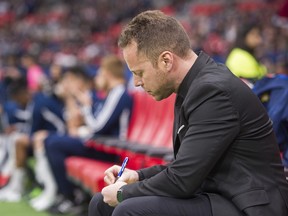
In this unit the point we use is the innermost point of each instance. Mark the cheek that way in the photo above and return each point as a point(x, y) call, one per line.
point(161, 78)
point(153, 84)
point(76, 84)
point(100, 82)
point(73, 82)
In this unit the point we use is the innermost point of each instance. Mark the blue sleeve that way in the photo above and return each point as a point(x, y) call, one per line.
point(48, 114)
point(10, 109)
point(107, 120)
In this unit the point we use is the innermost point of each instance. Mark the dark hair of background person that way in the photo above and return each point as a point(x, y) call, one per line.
point(79, 72)
point(242, 34)
point(17, 87)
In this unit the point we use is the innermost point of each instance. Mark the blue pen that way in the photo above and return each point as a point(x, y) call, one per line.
point(122, 168)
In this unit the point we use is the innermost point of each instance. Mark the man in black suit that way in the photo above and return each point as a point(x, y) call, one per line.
point(227, 161)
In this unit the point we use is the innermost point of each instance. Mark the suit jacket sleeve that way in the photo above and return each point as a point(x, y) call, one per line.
point(150, 171)
point(212, 125)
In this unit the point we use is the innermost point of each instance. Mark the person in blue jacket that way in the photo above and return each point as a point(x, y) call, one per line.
point(106, 116)
point(24, 114)
point(273, 93)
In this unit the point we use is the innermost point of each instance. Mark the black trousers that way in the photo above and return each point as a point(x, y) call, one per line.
point(152, 206)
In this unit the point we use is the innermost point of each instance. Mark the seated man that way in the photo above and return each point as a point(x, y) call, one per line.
point(226, 159)
point(25, 113)
point(74, 77)
point(108, 116)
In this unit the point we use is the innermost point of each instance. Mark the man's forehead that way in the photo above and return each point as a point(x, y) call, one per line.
point(132, 57)
point(131, 51)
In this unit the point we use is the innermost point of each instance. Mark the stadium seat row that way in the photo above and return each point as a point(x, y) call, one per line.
point(148, 142)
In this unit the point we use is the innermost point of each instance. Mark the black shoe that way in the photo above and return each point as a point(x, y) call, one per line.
point(67, 206)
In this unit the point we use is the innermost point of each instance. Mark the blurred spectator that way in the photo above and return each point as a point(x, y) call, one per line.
point(34, 73)
point(216, 47)
point(281, 18)
point(55, 73)
point(242, 59)
point(82, 32)
point(273, 93)
point(73, 78)
point(18, 112)
point(26, 114)
point(9, 72)
point(108, 117)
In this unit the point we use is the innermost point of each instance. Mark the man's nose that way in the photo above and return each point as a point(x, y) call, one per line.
point(138, 81)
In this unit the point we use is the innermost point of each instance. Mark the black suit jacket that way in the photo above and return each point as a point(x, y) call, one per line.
point(224, 146)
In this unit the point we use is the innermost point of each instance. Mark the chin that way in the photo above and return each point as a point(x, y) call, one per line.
point(158, 97)
point(154, 96)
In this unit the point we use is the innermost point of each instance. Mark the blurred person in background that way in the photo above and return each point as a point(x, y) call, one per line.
point(39, 112)
point(97, 117)
point(273, 93)
point(17, 114)
point(10, 71)
point(242, 60)
point(54, 75)
point(74, 77)
point(280, 19)
point(34, 73)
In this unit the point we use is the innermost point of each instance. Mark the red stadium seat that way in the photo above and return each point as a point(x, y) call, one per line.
point(148, 142)
point(74, 165)
point(160, 137)
point(92, 175)
point(88, 172)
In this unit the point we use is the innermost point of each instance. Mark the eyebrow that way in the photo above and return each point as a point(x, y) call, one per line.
point(136, 71)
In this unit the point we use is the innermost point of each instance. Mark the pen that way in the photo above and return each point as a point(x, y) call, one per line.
point(122, 168)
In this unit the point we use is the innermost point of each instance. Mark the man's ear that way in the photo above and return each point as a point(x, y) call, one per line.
point(166, 60)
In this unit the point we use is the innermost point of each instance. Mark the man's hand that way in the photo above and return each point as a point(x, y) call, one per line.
point(128, 176)
point(110, 193)
point(82, 97)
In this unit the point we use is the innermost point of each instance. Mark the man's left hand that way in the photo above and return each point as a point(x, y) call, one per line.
point(110, 193)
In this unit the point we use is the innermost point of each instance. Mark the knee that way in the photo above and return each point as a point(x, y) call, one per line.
point(50, 143)
point(125, 208)
point(96, 200)
point(22, 142)
point(38, 139)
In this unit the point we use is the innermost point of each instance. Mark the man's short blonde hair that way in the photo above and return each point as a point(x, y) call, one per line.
point(155, 32)
point(114, 66)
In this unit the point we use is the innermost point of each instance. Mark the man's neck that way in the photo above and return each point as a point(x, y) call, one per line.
point(183, 67)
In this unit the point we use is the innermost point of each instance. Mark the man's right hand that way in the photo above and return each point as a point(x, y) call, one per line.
point(128, 176)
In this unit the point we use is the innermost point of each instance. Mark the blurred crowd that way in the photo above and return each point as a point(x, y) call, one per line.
point(70, 32)
point(55, 48)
